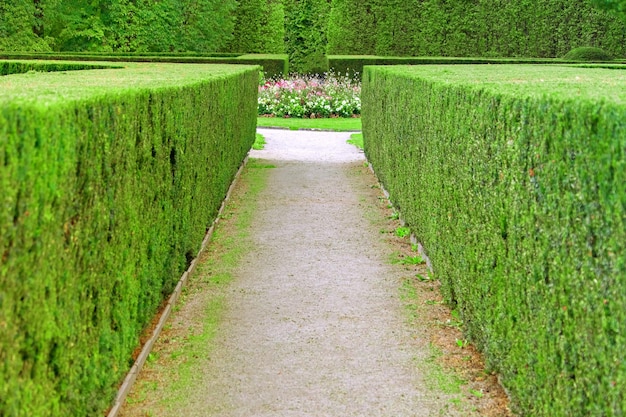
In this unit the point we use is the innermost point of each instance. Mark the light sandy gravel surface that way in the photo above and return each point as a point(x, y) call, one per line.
point(314, 324)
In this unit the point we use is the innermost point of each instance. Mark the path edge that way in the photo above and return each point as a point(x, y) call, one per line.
point(421, 250)
point(132, 374)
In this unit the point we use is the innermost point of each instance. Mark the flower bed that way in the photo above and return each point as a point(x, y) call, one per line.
point(329, 95)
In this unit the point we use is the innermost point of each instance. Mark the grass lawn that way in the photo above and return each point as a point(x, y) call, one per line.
point(339, 124)
point(356, 139)
point(259, 142)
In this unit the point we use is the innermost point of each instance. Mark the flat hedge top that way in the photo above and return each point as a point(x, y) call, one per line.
point(263, 56)
point(418, 60)
point(56, 87)
point(554, 81)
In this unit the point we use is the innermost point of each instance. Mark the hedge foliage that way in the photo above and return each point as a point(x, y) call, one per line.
point(513, 178)
point(259, 27)
point(486, 28)
point(274, 65)
point(352, 65)
point(305, 35)
point(108, 182)
point(116, 25)
point(588, 53)
point(19, 67)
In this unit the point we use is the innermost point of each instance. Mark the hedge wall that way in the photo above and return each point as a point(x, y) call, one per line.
point(20, 67)
point(352, 65)
point(487, 28)
point(274, 65)
point(513, 178)
point(108, 182)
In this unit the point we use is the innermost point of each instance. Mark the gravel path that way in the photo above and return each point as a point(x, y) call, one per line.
point(313, 324)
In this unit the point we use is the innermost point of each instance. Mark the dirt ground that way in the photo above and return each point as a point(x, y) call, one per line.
point(308, 303)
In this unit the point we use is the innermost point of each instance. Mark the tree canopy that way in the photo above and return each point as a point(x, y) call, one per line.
point(111, 25)
point(308, 29)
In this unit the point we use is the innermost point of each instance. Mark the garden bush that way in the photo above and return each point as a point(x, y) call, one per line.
point(108, 183)
point(587, 53)
point(352, 65)
point(513, 179)
point(481, 28)
point(274, 65)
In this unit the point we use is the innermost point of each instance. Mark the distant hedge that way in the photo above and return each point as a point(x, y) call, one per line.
point(19, 67)
point(164, 54)
point(513, 178)
point(487, 28)
point(274, 65)
point(352, 65)
point(588, 53)
point(108, 183)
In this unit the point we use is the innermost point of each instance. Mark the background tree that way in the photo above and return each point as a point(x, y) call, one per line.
point(259, 27)
point(273, 27)
point(20, 23)
point(75, 26)
point(207, 25)
point(492, 28)
point(247, 31)
point(306, 23)
point(352, 26)
point(139, 25)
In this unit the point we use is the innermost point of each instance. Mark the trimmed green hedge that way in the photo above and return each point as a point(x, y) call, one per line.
point(259, 27)
point(588, 53)
point(20, 67)
point(109, 180)
point(490, 28)
point(353, 64)
point(147, 53)
point(274, 65)
point(513, 178)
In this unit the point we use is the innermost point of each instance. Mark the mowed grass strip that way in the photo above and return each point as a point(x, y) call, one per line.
point(351, 124)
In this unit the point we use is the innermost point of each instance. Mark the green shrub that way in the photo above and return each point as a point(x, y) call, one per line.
point(587, 53)
point(480, 28)
point(305, 35)
point(108, 183)
point(513, 178)
point(19, 67)
point(273, 28)
point(259, 27)
point(273, 64)
point(352, 65)
point(344, 17)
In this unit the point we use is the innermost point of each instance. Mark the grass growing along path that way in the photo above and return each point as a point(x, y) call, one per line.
point(356, 139)
point(259, 142)
point(334, 124)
